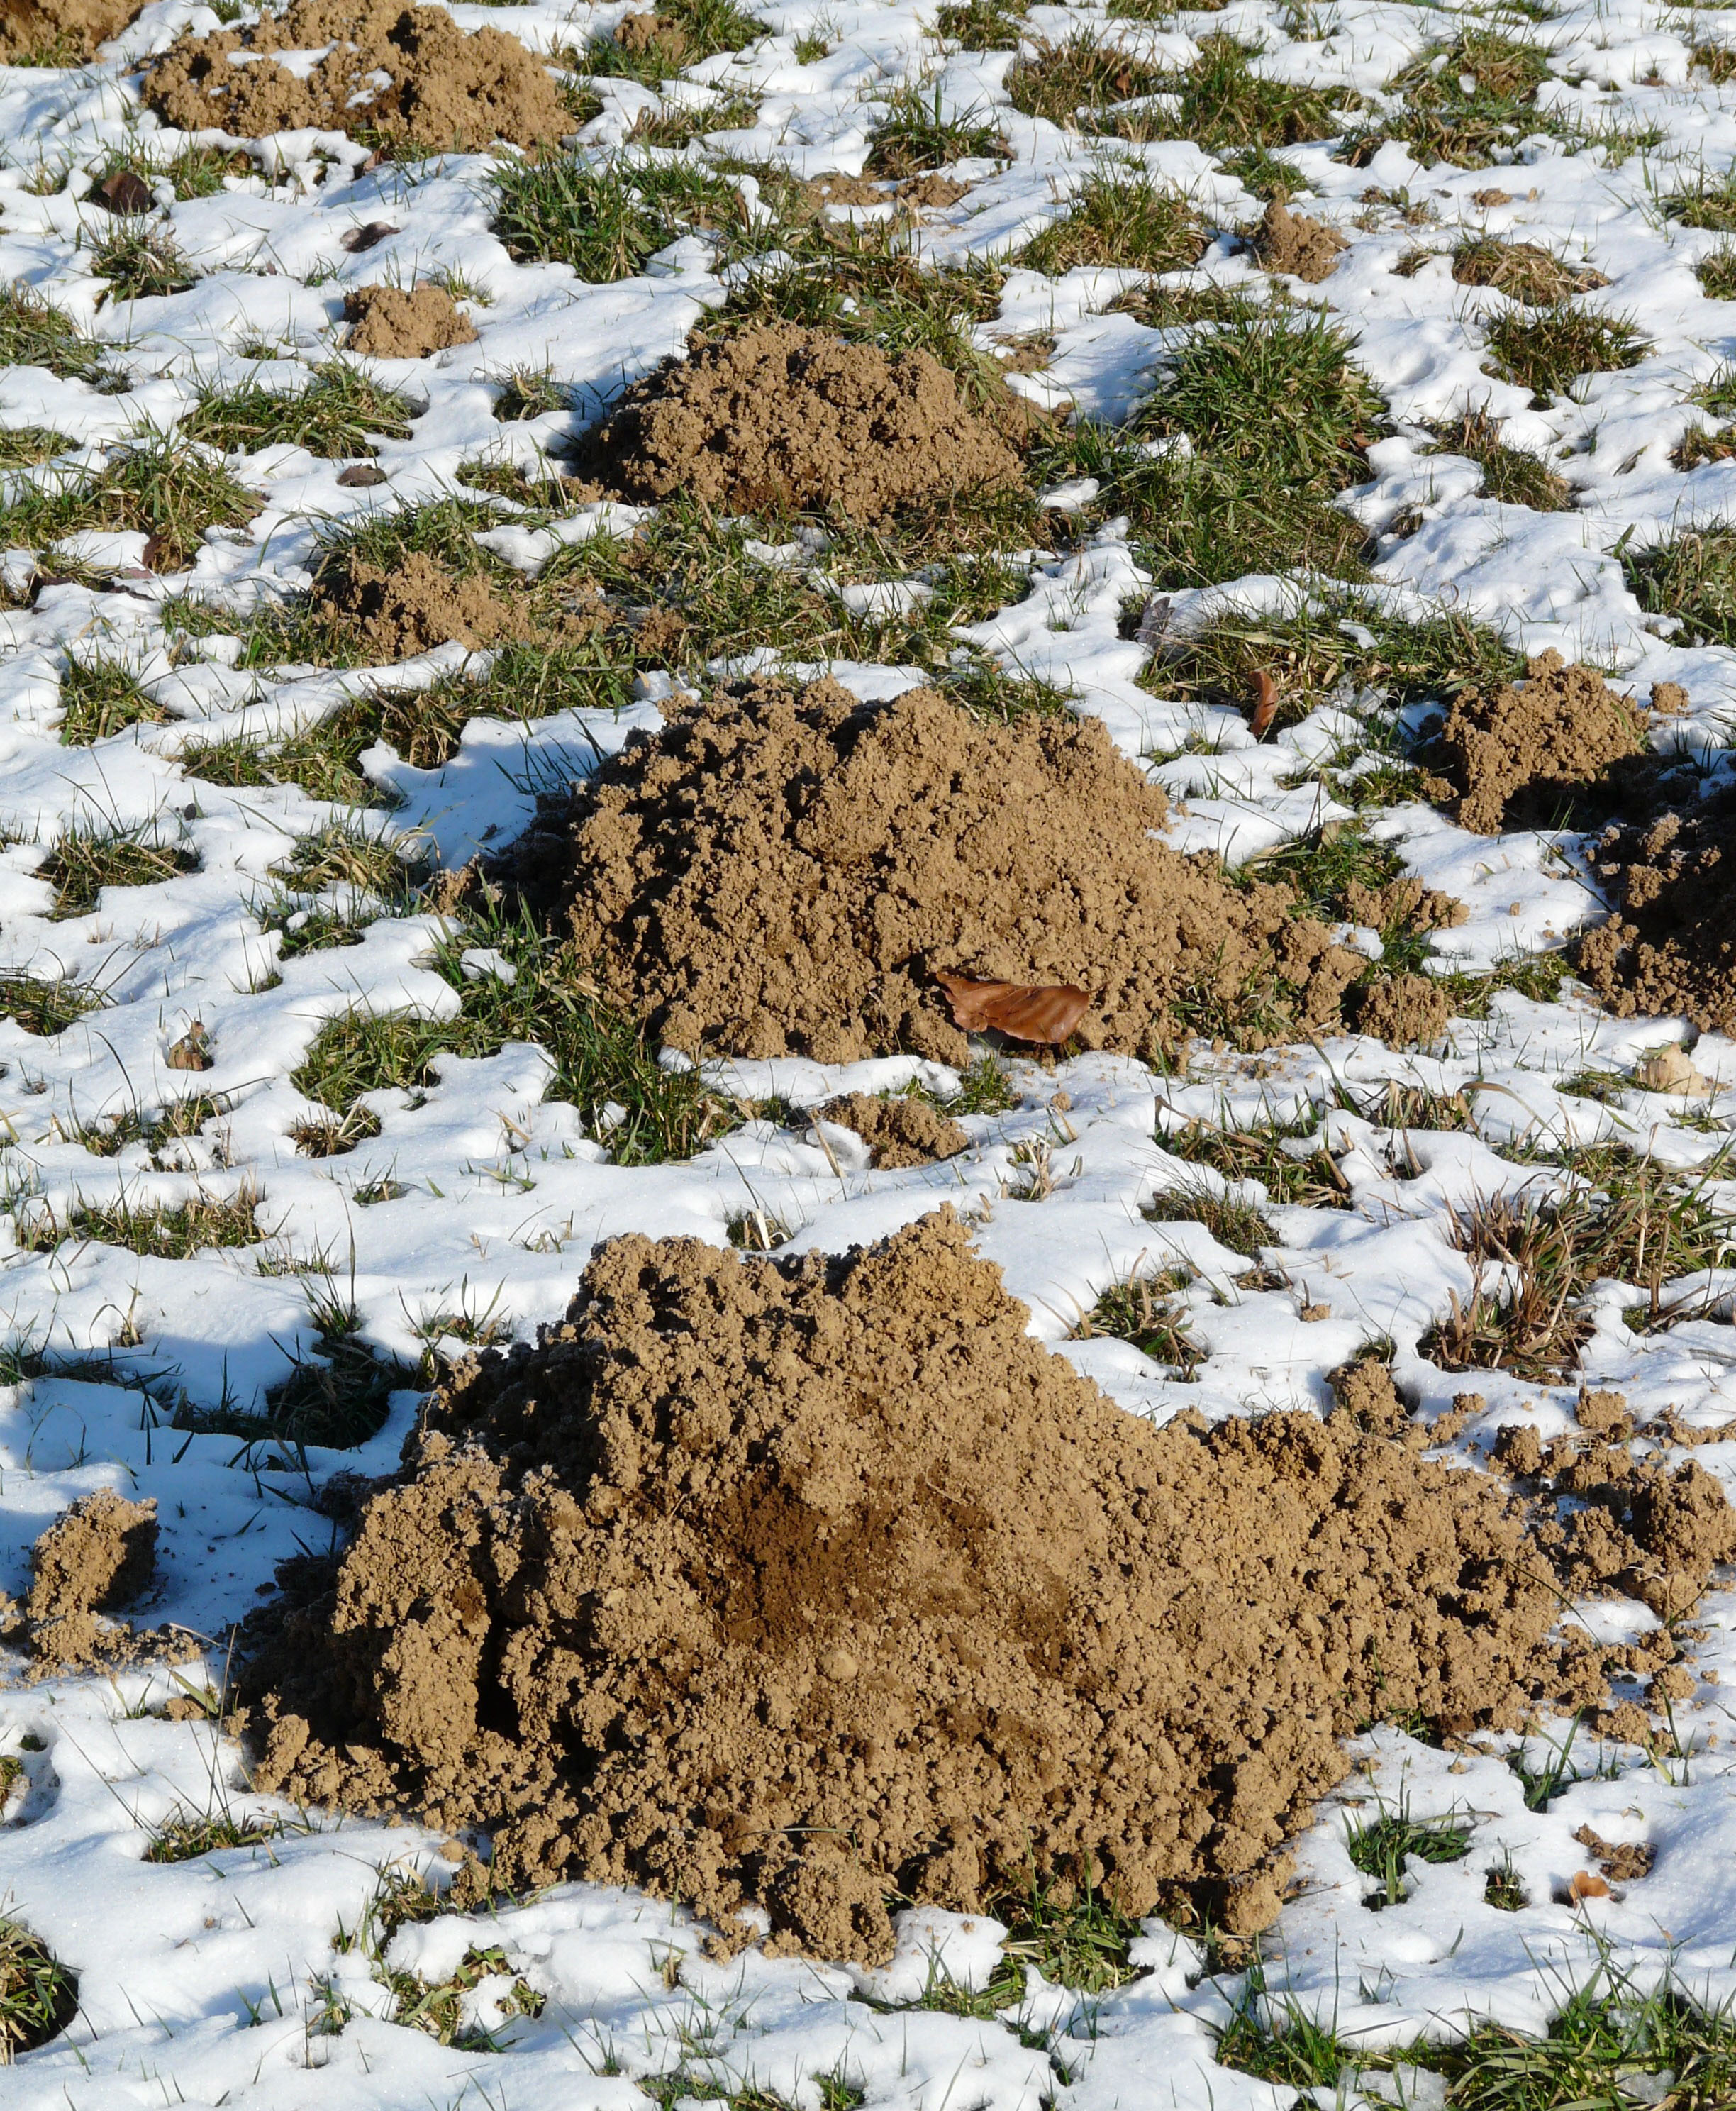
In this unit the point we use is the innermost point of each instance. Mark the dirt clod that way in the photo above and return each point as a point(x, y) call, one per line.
point(1292, 243)
point(387, 322)
point(774, 874)
point(1520, 755)
point(1622, 1862)
point(408, 72)
point(784, 417)
point(411, 608)
point(69, 31)
point(898, 1132)
point(1405, 1011)
point(795, 1582)
point(98, 1555)
point(1669, 950)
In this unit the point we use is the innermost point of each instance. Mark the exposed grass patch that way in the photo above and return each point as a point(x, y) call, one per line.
point(1464, 101)
point(81, 865)
point(1692, 576)
point(1289, 1160)
point(337, 1396)
point(24, 446)
point(195, 172)
point(530, 392)
point(1380, 1846)
point(140, 262)
point(1523, 271)
point(605, 221)
point(1081, 72)
point(1264, 173)
point(1125, 219)
point(164, 1231)
point(32, 333)
point(1546, 350)
point(158, 485)
point(38, 1995)
point(1224, 105)
point(341, 412)
point(688, 32)
point(915, 132)
point(438, 2008)
point(1709, 202)
point(1502, 1889)
point(99, 697)
point(185, 1835)
point(1161, 306)
point(43, 1007)
point(1717, 274)
point(1510, 474)
point(982, 26)
point(1142, 1311)
point(179, 1118)
point(679, 126)
point(1231, 1221)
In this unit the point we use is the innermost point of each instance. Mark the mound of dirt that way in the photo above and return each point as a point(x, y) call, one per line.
point(388, 323)
point(408, 72)
point(793, 1583)
point(782, 417)
point(774, 874)
point(1405, 1011)
point(1522, 755)
point(898, 1132)
point(414, 607)
point(1292, 243)
point(1669, 950)
point(69, 31)
point(98, 1556)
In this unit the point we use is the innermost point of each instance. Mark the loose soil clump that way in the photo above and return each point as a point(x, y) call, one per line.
point(69, 31)
point(774, 874)
point(1292, 243)
point(780, 417)
point(98, 1556)
point(1405, 1011)
point(900, 1132)
point(413, 607)
point(793, 1583)
point(1669, 950)
point(1522, 755)
point(386, 322)
point(444, 88)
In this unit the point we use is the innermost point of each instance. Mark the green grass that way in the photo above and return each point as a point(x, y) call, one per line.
point(24, 447)
point(1127, 219)
point(1379, 1847)
point(99, 697)
point(32, 333)
point(140, 262)
point(195, 172)
point(915, 132)
point(1141, 1311)
point(154, 484)
point(38, 1995)
point(1227, 108)
point(438, 2008)
point(1442, 120)
point(1502, 1888)
point(703, 27)
point(164, 1231)
point(1510, 474)
point(1692, 576)
point(1709, 202)
point(1717, 274)
point(605, 222)
point(1081, 72)
point(1233, 1222)
point(983, 25)
point(185, 1835)
point(1523, 271)
point(1547, 350)
point(180, 1118)
point(82, 863)
point(43, 1007)
point(340, 413)
point(530, 392)
point(1310, 1179)
point(681, 127)
point(1263, 172)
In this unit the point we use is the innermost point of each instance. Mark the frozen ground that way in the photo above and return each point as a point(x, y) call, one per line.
point(233, 1978)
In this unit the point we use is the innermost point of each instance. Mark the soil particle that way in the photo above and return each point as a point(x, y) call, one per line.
point(1624, 1862)
point(1292, 243)
point(1520, 755)
point(794, 1583)
point(98, 1555)
point(389, 322)
point(898, 1132)
point(1405, 1011)
point(442, 87)
point(70, 29)
point(782, 417)
point(1669, 950)
point(772, 874)
point(1404, 901)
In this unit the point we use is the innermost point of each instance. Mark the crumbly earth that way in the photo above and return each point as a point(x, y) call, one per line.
point(70, 30)
point(415, 607)
point(442, 87)
point(794, 1583)
point(1519, 756)
point(774, 874)
point(387, 322)
point(99, 1555)
point(1669, 950)
point(1405, 1011)
point(899, 1131)
point(782, 417)
point(1292, 243)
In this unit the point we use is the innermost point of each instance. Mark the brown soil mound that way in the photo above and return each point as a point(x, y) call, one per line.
point(445, 88)
point(784, 417)
point(797, 1582)
point(898, 1132)
point(772, 874)
point(68, 31)
point(1522, 755)
point(1405, 1011)
point(389, 322)
point(99, 1555)
point(414, 607)
point(1290, 242)
point(1670, 948)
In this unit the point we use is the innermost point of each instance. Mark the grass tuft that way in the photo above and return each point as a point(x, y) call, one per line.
point(38, 1995)
point(1693, 577)
point(915, 132)
point(1380, 1846)
point(82, 863)
point(156, 483)
point(99, 697)
point(1547, 349)
point(1127, 219)
point(605, 221)
point(341, 412)
point(1510, 474)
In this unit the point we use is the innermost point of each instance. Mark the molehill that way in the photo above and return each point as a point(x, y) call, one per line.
point(781, 417)
point(801, 1583)
point(408, 72)
point(1669, 950)
point(1523, 755)
point(774, 873)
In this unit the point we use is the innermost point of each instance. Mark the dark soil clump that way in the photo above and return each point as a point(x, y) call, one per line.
point(775, 874)
point(1527, 755)
point(900, 1132)
point(795, 1584)
point(1669, 950)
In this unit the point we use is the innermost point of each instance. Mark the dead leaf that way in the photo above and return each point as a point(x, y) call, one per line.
point(1261, 717)
point(155, 545)
point(366, 237)
point(127, 191)
point(1585, 1885)
point(193, 1050)
point(359, 475)
point(1046, 1012)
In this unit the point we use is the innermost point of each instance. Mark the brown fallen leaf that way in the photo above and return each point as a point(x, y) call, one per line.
point(1025, 1012)
point(155, 546)
point(193, 1050)
point(360, 238)
point(1262, 716)
point(1585, 1885)
point(126, 192)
